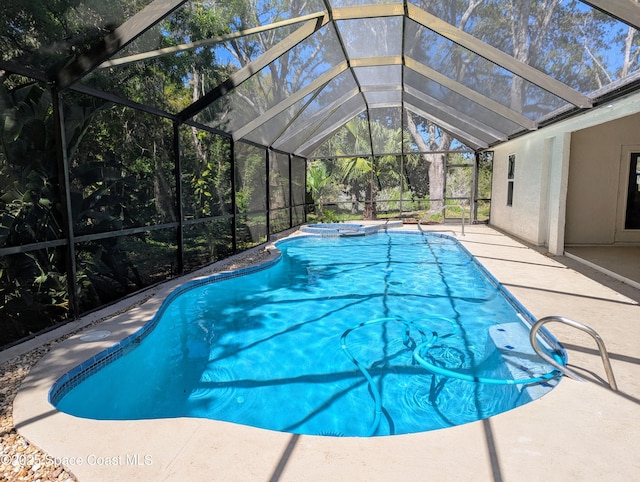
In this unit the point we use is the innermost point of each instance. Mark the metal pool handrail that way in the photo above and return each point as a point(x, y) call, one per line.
point(442, 209)
point(603, 351)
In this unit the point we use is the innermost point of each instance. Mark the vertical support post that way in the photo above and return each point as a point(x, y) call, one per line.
point(304, 201)
point(473, 206)
point(177, 162)
point(401, 177)
point(234, 209)
point(290, 192)
point(558, 184)
point(267, 190)
point(65, 200)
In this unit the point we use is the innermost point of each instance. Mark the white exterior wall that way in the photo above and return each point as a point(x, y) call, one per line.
point(542, 177)
point(596, 201)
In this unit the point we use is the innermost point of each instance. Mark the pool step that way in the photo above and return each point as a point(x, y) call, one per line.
point(512, 341)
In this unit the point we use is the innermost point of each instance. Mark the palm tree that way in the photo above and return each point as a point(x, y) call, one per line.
point(319, 184)
point(363, 172)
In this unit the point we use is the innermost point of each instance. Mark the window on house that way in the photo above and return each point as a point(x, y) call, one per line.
point(510, 178)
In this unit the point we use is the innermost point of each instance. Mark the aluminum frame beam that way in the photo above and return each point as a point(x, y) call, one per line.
point(627, 11)
point(116, 41)
point(318, 83)
point(315, 141)
point(498, 57)
point(204, 42)
point(490, 133)
point(469, 140)
point(310, 27)
point(368, 11)
point(317, 120)
point(470, 94)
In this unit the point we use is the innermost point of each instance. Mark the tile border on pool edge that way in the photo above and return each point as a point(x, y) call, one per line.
point(81, 372)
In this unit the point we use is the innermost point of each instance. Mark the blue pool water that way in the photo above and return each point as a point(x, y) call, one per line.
point(337, 338)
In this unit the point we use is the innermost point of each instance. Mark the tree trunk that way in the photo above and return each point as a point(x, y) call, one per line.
point(436, 163)
point(370, 209)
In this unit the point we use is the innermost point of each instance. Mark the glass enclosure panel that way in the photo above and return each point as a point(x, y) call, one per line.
point(484, 176)
point(45, 35)
point(200, 29)
point(387, 75)
point(387, 186)
point(241, 16)
point(323, 187)
point(572, 42)
point(278, 180)
point(206, 173)
point(33, 290)
point(352, 137)
point(251, 230)
point(176, 62)
point(207, 242)
point(358, 3)
point(386, 130)
point(351, 111)
point(298, 215)
point(122, 172)
point(385, 98)
point(463, 124)
point(279, 220)
point(340, 90)
point(371, 37)
point(30, 197)
point(298, 173)
point(459, 183)
point(111, 268)
point(326, 191)
point(279, 192)
point(429, 134)
point(283, 77)
point(358, 182)
point(460, 158)
point(415, 177)
point(478, 74)
point(459, 103)
point(274, 127)
point(483, 211)
point(251, 178)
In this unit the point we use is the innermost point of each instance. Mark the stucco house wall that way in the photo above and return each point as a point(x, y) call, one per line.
point(567, 178)
point(598, 170)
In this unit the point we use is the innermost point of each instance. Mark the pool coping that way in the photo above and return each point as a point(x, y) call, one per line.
point(582, 426)
point(81, 372)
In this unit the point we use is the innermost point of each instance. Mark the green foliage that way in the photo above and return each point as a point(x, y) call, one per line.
point(250, 178)
point(320, 184)
point(328, 216)
point(31, 282)
point(485, 173)
point(206, 173)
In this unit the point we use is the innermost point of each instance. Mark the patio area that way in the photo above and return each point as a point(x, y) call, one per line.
point(580, 431)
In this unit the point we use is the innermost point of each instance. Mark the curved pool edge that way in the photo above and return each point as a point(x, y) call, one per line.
point(582, 429)
point(80, 372)
point(164, 297)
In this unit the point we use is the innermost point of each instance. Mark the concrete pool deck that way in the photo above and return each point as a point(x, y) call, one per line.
point(579, 431)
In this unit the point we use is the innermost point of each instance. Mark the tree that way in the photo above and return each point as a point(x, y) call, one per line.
point(320, 184)
point(430, 139)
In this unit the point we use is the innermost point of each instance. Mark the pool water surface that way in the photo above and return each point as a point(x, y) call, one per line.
point(337, 338)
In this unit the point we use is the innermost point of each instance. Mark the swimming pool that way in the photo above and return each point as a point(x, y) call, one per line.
point(359, 336)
